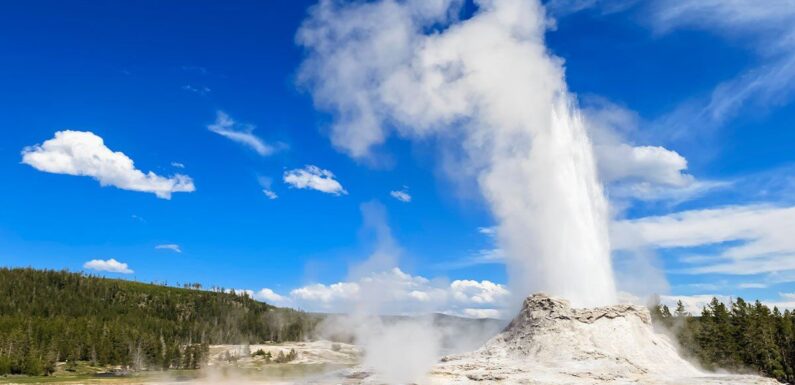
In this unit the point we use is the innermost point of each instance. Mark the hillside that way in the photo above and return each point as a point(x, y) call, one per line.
point(55, 316)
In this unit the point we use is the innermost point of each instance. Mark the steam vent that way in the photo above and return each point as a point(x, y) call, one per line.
point(551, 343)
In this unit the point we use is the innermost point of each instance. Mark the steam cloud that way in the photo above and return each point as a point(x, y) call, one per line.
point(419, 341)
point(488, 86)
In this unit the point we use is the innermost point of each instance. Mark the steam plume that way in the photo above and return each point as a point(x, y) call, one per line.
point(488, 84)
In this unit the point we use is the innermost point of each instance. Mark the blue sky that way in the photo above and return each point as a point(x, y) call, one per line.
point(702, 80)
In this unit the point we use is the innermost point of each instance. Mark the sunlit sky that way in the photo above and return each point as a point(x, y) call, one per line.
point(248, 192)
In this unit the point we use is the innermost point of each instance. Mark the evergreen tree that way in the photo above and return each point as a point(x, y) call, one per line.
point(48, 317)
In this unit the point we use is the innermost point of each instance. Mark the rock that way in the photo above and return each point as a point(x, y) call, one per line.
point(549, 342)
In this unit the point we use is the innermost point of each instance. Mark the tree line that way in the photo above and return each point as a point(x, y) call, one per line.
point(740, 337)
point(48, 317)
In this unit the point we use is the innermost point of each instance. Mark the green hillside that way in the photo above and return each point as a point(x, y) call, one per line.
point(55, 316)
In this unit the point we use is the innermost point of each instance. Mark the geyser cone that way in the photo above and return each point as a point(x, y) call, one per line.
point(549, 342)
point(619, 338)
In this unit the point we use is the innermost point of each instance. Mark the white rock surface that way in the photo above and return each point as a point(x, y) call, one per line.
point(551, 343)
point(314, 352)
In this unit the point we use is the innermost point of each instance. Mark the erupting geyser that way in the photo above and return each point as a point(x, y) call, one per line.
point(487, 87)
point(496, 100)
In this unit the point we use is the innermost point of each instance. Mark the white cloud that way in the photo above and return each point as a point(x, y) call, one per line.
point(401, 195)
point(110, 265)
point(266, 183)
point(268, 295)
point(171, 246)
point(486, 256)
point(643, 172)
point(241, 133)
point(693, 303)
point(488, 230)
point(83, 153)
point(752, 285)
point(177, 165)
point(270, 194)
point(655, 192)
point(768, 29)
point(326, 297)
point(752, 239)
point(474, 292)
point(403, 294)
point(201, 90)
point(315, 178)
point(560, 8)
point(647, 163)
point(482, 313)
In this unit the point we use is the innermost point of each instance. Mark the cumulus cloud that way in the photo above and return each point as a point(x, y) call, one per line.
point(407, 294)
point(268, 295)
point(326, 296)
point(650, 163)
point(646, 172)
point(170, 246)
point(751, 239)
point(110, 266)
point(314, 178)
point(83, 153)
point(474, 292)
point(241, 133)
point(401, 195)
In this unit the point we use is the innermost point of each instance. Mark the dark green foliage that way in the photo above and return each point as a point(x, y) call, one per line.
point(282, 358)
point(57, 316)
point(740, 337)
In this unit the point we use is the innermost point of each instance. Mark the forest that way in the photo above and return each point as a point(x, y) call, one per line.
point(740, 337)
point(49, 316)
point(58, 316)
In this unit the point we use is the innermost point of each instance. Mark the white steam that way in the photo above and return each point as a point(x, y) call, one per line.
point(404, 350)
point(488, 85)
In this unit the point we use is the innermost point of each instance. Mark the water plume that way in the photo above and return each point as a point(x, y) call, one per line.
point(487, 86)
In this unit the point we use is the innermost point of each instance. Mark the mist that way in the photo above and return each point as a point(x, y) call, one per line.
point(487, 87)
point(399, 344)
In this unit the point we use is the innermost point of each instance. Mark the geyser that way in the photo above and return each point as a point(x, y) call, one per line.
point(551, 343)
point(486, 87)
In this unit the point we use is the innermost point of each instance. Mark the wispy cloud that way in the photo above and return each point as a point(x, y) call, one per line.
point(241, 133)
point(401, 195)
point(201, 90)
point(768, 30)
point(83, 153)
point(270, 194)
point(266, 183)
point(751, 240)
point(170, 246)
point(110, 266)
point(314, 178)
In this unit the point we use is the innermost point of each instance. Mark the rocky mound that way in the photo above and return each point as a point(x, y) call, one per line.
point(551, 343)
